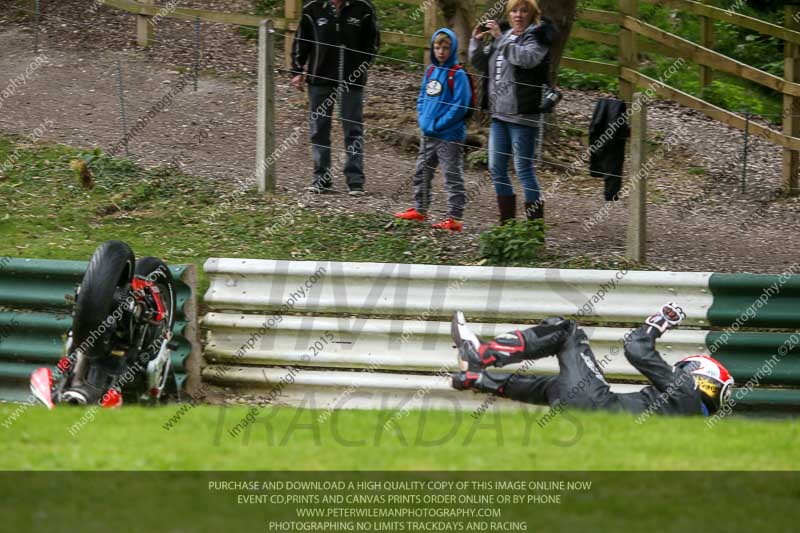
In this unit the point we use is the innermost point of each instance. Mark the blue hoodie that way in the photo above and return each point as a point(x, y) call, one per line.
point(440, 111)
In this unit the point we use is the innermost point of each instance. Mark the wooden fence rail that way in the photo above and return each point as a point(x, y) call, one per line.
point(731, 17)
point(704, 56)
point(717, 113)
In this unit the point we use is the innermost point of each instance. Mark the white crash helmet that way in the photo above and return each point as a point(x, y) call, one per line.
point(711, 377)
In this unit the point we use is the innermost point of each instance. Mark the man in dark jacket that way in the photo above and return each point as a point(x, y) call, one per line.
point(696, 385)
point(335, 45)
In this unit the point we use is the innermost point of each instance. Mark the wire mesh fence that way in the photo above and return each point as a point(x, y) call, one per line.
point(188, 102)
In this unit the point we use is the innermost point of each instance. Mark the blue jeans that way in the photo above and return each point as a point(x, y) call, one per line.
point(506, 138)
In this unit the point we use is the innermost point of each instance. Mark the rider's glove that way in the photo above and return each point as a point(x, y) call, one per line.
point(668, 317)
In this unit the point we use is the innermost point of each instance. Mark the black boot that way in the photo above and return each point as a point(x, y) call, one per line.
point(484, 381)
point(533, 343)
point(534, 210)
point(508, 207)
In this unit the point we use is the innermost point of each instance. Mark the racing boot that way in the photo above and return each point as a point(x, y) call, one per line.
point(483, 381)
point(476, 354)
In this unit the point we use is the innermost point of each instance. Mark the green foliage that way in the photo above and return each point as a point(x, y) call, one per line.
point(737, 95)
point(398, 56)
point(517, 243)
point(268, 7)
point(572, 131)
point(749, 47)
point(478, 159)
point(736, 98)
point(583, 81)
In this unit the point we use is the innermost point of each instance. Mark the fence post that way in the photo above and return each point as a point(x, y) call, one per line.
point(628, 56)
point(292, 10)
point(746, 148)
point(430, 26)
point(144, 27)
point(791, 104)
point(265, 133)
point(636, 246)
point(37, 15)
point(707, 40)
point(196, 66)
point(122, 117)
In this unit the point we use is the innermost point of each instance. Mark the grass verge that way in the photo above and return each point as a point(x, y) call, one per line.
point(134, 438)
point(47, 214)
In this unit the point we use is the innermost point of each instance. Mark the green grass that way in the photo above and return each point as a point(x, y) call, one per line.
point(46, 214)
point(697, 171)
point(133, 438)
point(182, 219)
point(607, 451)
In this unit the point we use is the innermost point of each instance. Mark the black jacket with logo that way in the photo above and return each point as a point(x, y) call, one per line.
point(673, 390)
point(333, 48)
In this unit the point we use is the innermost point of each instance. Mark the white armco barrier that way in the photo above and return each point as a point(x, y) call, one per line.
point(268, 324)
point(438, 291)
point(397, 345)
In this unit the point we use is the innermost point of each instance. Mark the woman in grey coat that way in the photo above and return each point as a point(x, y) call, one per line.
point(515, 64)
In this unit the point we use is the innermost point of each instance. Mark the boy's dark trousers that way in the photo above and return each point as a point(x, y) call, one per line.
point(450, 155)
point(322, 100)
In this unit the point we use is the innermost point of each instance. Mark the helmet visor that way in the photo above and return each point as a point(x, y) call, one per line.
point(712, 390)
point(725, 394)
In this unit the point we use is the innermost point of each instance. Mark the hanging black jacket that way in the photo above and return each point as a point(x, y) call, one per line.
point(336, 48)
point(608, 133)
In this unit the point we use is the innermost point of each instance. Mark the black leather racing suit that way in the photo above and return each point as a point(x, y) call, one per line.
point(580, 382)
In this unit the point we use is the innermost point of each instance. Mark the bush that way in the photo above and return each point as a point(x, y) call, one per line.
point(478, 159)
point(736, 98)
point(582, 81)
point(515, 243)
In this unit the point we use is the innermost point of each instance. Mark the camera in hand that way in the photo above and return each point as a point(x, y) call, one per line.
point(551, 99)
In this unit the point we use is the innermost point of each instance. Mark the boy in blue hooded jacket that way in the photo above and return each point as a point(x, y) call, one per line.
point(444, 99)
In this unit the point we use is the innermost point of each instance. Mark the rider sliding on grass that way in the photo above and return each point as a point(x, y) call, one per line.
point(695, 385)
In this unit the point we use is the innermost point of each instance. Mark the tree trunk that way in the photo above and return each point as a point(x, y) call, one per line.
point(563, 14)
point(459, 16)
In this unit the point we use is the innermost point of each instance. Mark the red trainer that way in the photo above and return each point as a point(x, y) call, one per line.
point(411, 214)
point(449, 224)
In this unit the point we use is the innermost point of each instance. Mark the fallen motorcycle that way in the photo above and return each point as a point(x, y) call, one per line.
point(121, 341)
